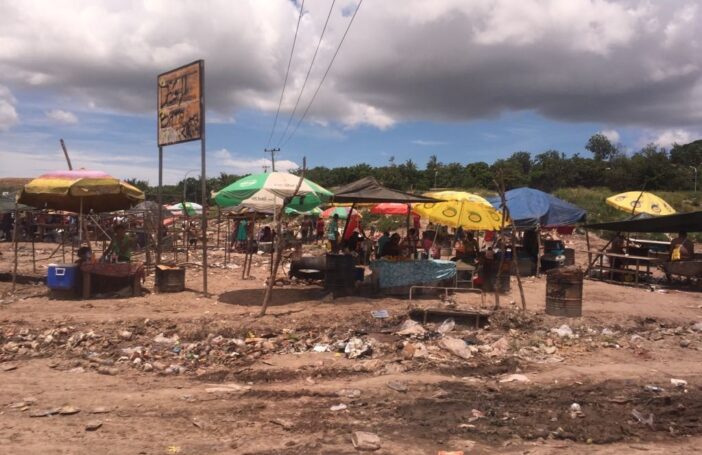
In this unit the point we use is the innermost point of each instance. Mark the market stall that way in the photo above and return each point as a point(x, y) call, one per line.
point(82, 192)
point(623, 267)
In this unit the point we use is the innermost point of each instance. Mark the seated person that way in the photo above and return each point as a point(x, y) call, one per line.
point(682, 248)
point(266, 235)
point(392, 247)
point(382, 243)
point(409, 243)
point(121, 245)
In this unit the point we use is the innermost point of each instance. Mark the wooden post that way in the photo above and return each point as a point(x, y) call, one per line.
point(34, 257)
point(219, 221)
point(14, 248)
point(589, 255)
point(505, 213)
point(538, 253)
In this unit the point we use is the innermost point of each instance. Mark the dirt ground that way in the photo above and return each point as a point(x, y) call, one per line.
point(188, 374)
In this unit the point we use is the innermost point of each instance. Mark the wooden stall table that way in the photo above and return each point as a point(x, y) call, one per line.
point(133, 270)
point(642, 265)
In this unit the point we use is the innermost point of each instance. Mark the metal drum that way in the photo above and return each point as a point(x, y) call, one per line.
point(564, 292)
point(340, 274)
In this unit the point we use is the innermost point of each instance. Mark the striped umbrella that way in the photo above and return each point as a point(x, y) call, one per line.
point(343, 212)
point(191, 208)
point(266, 191)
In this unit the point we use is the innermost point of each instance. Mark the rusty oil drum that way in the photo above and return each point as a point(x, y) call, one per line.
point(564, 292)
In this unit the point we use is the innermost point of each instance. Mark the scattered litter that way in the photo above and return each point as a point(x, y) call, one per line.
point(100, 410)
point(641, 419)
point(515, 378)
point(576, 411)
point(475, 414)
point(356, 348)
point(397, 386)
point(410, 327)
point(653, 388)
point(446, 326)
point(363, 440)
point(338, 407)
point(456, 347)
point(563, 331)
point(678, 382)
point(321, 347)
point(380, 314)
point(160, 338)
point(173, 449)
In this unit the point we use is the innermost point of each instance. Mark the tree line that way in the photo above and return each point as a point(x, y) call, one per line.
point(651, 168)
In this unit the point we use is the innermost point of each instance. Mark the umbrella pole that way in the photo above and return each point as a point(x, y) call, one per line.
point(250, 242)
point(219, 220)
point(80, 224)
point(14, 247)
point(408, 218)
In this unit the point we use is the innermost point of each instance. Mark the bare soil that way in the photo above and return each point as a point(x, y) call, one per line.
point(226, 381)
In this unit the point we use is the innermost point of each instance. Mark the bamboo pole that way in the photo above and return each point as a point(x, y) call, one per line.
point(278, 242)
point(515, 262)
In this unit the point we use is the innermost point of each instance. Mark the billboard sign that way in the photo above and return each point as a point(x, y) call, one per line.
point(180, 104)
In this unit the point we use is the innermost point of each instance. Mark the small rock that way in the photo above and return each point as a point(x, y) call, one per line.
point(77, 370)
point(636, 338)
point(125, 335)
point(408, 351)
point(137, 361)
point(159, 366)
point(161, 339)
point(697, 327)
point(68, 410)
point(550, 350)
point(363, 440)
point(286, 424)
point(684, 343)
point(338, 407)
point(93, 425)
point(356, 348)
point(349, 393)
point(608, 332)
point(8, 366)
point(397, 386)
point(148, 367)
point(107, 371)
point(100, 410)
point(515, 378)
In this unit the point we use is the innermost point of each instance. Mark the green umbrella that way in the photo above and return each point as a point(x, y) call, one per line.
point(265, 191)
point(314, 212)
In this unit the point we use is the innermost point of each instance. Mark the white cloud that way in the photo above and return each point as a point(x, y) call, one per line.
point(676, 136)
point(632, 62)
point(62, 117)
point(8, 113)
point(612, 135)
point(239, 165)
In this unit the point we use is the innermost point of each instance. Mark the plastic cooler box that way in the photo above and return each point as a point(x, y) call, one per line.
point(61, 276)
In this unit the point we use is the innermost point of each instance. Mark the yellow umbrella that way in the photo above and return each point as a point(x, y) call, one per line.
point(467, 210)
point(636, 202)
point(80, 191)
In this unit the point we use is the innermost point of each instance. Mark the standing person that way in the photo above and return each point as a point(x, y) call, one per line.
point(333, 233)
point(410, 242)
point(242, 233)
point(305, 226)
point(320, 229)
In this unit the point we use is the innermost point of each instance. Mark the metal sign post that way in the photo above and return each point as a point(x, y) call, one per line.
point(181, 118)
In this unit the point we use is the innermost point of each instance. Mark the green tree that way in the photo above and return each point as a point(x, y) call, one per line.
point(601, 147)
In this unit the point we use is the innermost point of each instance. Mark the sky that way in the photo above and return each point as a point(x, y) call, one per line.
point(465, 80)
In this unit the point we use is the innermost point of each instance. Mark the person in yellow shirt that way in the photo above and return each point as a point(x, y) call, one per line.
point(682, 248)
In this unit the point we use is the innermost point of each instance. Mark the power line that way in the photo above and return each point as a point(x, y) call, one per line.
point(287, 73)
point(309, 70)
point(304, 114)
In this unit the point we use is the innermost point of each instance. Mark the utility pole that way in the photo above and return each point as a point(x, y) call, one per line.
point(694, 168)
point(272, 151)
point(65, 153)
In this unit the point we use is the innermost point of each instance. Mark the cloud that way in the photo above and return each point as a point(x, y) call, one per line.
point(233, 163)
point(62, 117)
point(428, 143)
point(8, 113)
point(612, 135)
point(676, 136)
point(629, 62)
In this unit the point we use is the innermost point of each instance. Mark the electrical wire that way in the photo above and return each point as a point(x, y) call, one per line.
point(309, 70)
point(304, 114)
point(287, 73)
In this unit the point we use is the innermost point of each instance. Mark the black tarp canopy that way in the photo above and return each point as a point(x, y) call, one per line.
point(369, 191)
point(689, 222)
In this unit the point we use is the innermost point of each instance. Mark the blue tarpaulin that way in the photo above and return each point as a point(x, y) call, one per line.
point(529, 207)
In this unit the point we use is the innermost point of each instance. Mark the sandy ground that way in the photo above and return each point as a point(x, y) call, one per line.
point(183, 373)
